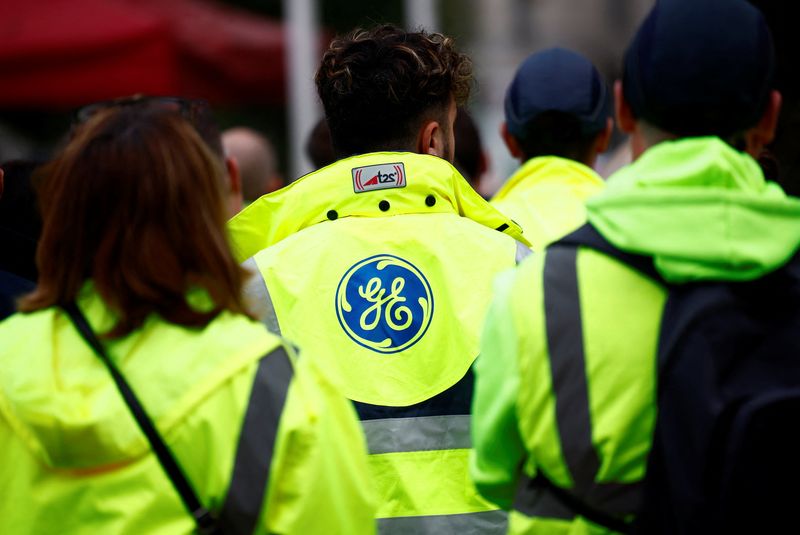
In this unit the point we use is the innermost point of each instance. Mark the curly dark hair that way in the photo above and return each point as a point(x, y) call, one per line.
point(378, 85)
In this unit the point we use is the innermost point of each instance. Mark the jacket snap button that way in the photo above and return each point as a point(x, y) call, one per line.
point(430, 200)
point(384, 206)
point(332, 215)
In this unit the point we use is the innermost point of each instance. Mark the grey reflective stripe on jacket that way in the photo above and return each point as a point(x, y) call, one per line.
point(573, 412)
point(256, 446)
point(425, 433)
point(257, 297)
point(485, 522)
point(429, 433)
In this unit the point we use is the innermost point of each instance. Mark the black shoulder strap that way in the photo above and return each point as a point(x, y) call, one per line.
point(588, 236)
point(206, 523)
point(566, 498)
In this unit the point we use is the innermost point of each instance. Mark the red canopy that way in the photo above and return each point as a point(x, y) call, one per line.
point(64, 53)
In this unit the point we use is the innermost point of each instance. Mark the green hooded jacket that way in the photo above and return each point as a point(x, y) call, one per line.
point(704, 212)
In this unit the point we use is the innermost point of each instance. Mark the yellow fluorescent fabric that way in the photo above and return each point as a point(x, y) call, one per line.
point(546, 197)
point(620, 330)
point(453, 493)
point(303, 278)
point(387, 289)
point(456, 255)
point(72, 459)
point(308, 200)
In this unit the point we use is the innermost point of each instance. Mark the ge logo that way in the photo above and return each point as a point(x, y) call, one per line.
point(384, 303)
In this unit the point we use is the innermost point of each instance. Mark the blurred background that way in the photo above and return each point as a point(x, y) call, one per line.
point(254, 60)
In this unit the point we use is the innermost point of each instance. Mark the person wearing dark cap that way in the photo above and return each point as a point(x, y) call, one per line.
point(566, 381)
point(558, 119)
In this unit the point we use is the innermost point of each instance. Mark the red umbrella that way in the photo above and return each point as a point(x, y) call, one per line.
point(63, 53)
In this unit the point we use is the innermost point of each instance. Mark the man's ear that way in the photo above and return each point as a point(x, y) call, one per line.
point(431, 139)
point(511, 142)
point(625, 119)
point(234, 176)
point(763, 133)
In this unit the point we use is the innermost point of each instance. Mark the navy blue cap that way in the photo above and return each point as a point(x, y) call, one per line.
point(700, 67)
point(560, 80)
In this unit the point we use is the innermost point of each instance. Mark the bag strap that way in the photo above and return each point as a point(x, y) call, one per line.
point(588, 236)
point(579, 507)
point(205, 521)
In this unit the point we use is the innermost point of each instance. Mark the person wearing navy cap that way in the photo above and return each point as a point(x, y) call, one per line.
point(558, 119)
point(567, 388)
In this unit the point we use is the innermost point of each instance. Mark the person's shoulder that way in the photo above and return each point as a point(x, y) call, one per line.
point(314, 387)
point(21, 328)
point(235, 334)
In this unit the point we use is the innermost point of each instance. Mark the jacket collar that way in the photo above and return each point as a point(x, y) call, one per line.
point(377, 184)
point(548, 169)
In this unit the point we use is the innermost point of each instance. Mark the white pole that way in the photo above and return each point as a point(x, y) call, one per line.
point(302, 58)
point(422, 14)
point(495, 61)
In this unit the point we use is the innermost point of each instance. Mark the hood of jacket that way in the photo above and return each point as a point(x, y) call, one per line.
point(424, 184)
point(701, 209)
point(545, 170)
point(547, 197)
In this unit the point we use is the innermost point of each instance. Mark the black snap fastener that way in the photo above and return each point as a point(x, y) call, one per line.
point(430, 200)
point(384, 206)
point(332, 215)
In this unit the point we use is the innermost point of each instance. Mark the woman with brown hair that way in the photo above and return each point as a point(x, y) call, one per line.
point(136, 394)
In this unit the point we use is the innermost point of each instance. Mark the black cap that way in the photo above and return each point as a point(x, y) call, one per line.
point(560, 80)
point(700, 67)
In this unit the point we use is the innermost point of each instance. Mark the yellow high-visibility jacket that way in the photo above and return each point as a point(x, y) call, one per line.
point(384, 262)
point(74, 461)
point(547, 197)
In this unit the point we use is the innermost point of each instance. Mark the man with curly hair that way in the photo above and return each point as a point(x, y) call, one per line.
point(385, 259)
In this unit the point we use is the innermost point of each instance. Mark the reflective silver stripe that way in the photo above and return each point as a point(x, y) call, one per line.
point(571, 389)
point(425, 433)
point(568, 366)
point(257, 443)
point(257, 297)
point(523, 251)
point(485, 522)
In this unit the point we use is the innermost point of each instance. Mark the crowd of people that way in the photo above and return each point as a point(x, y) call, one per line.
point(376, 348)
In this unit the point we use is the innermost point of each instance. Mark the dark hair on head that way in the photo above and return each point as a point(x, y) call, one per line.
point(556, 133)
point(206, 125)
point(378, 85)
point(196, 111)
point(143, 197)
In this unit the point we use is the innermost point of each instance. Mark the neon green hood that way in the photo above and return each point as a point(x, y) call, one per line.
point(703, 211)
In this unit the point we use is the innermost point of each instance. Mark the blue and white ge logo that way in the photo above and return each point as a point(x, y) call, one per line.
point(384, 303)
